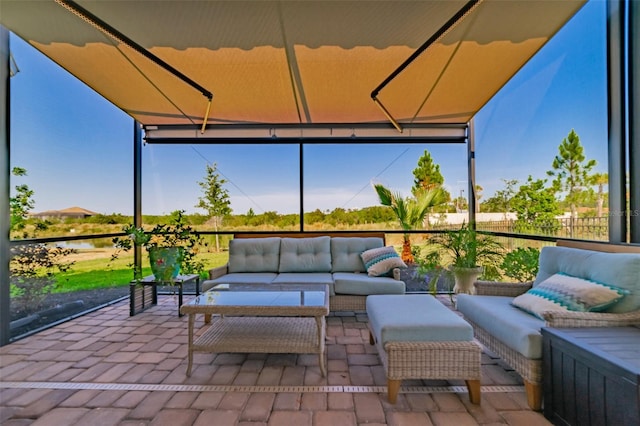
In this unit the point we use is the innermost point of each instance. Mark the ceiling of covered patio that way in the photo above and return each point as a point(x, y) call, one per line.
point(293, 63)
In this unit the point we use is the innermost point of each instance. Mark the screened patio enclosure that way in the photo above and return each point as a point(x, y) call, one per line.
point(315, 71)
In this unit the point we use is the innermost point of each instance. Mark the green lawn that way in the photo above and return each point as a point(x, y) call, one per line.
point(101, 272)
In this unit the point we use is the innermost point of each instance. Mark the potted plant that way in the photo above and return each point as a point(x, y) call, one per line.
point(470, 254)
point(171, 247)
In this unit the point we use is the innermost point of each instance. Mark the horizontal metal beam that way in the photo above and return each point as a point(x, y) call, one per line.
point(360, 133)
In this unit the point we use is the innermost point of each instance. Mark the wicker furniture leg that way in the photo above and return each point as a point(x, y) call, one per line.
point(534, 395)
point(320, 326)
point(473, 386)
point(431, 360)
point(191, 322)
point(529, 369)
point(393, 386)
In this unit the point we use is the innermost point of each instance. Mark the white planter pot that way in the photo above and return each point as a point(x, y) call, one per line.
point(464, 278)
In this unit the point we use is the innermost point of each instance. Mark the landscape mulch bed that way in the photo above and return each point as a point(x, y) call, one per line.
point(59, 306)
point(419, 285)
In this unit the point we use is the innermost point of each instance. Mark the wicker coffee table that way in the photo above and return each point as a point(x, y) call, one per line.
point(256, 318)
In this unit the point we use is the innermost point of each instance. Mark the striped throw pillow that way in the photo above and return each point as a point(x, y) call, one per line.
point(379, 261)
point(561, 292)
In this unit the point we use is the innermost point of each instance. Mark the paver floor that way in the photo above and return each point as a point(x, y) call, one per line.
point(106, 368)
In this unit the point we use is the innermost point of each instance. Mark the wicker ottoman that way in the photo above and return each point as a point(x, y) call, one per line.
point(419, 338)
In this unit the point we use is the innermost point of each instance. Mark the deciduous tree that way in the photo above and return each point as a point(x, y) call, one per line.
point(215, 200)
point(501, 200)
point(32, 266)
point(536, 207)
point(21, 202)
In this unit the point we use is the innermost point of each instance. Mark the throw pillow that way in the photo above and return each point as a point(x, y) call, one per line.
point(379, 261)
point(561, 292)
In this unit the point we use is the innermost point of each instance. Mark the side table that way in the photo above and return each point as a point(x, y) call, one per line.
point(145, 295)
point(591, 376)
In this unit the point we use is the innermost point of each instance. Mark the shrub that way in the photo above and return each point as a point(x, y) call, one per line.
point(521, 264)
point(33, 268)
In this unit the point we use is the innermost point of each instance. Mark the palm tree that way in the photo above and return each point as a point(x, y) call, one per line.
point(409, 211)
point(600, 179)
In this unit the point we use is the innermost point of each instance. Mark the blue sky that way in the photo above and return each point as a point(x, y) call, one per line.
point(76, 146)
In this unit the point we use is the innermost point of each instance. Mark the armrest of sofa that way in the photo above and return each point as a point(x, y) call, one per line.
point(497, 288)
point(218, 272)
point(569, 319)
point(396, 274)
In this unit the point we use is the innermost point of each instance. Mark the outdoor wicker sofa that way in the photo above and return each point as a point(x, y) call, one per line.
point(514, 334)
point(304, 258)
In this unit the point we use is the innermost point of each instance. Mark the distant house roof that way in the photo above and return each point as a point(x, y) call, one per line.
point(77, 212)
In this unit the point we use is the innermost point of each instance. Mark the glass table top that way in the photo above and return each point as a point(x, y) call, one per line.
point(286, 295)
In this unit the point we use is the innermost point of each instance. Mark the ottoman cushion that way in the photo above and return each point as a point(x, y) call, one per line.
point(414, 318)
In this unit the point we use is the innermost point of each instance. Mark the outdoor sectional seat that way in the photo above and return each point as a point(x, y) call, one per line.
point(514, 334)
point(331, 260)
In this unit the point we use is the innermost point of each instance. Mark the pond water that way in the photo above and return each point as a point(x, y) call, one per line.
point(74, 244)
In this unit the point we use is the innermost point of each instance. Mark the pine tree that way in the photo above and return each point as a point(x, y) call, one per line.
point(427, 175)
point(571, 171)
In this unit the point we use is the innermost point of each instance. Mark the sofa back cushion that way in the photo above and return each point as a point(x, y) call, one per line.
point(345, 252)
point(616, 269)
point(254, 255)
point(305, 254)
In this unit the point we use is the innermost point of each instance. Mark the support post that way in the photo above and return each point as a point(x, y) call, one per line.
point(137, 189)
point(5, 179)
point(301, 145)
point(633, 63)
point(616, 119)
point(471, 164)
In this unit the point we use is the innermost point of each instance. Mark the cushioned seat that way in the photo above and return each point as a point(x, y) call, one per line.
point(241, 278)
point(415, 318)
point(362, 284)
point(570, 282)
point(305, 278)
point(512, 326)
point(419, 338)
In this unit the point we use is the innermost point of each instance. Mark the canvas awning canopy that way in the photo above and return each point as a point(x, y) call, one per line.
point(272, 67)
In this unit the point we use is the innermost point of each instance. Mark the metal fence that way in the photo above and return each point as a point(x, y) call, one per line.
point(583, 228)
